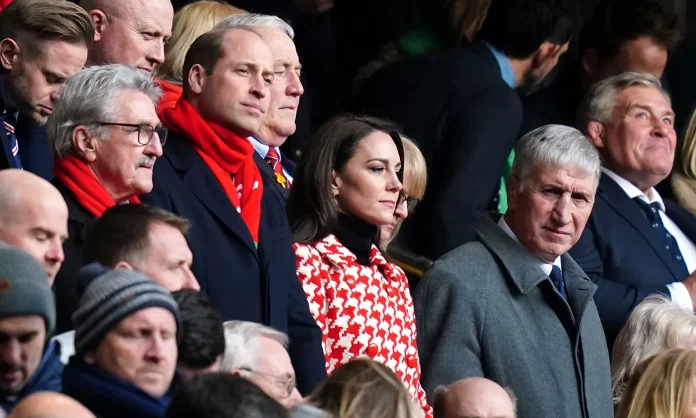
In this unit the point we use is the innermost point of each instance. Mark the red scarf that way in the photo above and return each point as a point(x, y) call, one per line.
point(88, 191)
point(229, 156)
point(170, 94)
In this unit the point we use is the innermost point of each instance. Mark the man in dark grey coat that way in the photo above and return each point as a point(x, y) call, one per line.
point(512, 306)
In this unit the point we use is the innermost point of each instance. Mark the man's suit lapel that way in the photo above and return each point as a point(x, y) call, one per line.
point(203, 184)
point(267, 172)
point(626, 208)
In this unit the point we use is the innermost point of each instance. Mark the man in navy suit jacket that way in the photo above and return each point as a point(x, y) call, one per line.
point(635, 243)
point(240, 237)
point(285, 92)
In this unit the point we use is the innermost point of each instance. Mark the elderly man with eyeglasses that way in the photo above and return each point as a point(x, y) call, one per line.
point(272, 371)
point(105, 135)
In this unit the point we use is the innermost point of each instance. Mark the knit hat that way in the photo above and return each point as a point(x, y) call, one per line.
point(111, 297)
point(24, 288)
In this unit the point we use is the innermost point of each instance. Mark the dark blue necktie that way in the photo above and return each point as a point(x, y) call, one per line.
point(557, 280)
point(652, 212)
point(13, 145)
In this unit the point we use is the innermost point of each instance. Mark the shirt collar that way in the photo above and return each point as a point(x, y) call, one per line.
point(262, 149)
point(543, 265)
point(632, 191)
point(505, 65)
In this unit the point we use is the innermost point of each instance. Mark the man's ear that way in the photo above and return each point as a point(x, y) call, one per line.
point(90, 357)
point(196, 78)
point(512, 187)
point(85, 144)
point(9, 52)
point(100, 23)
point(595, 133)
point(123, 265)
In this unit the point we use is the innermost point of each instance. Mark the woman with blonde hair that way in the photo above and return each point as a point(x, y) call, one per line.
point(415, 180)
point(657, 324)
point(662, 387)
point(684, 173)
point(364, 388)
point(192, 21)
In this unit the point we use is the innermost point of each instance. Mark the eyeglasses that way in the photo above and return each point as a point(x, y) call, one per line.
point(411, 202)
point(145, 132)
point(285, 383)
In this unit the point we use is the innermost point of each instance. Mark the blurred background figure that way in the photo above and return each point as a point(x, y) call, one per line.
point(50, 405)
point(223, 395)
point(364, 388)
point(661, 387)
point(202, 341)
point(657, 324)
point(474, 397)
point(684, 172)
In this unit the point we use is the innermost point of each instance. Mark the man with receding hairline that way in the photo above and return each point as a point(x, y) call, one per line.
point(129, 32)
point(241, 240)
point(33, 217)
point(474, 397)
point(50, 405)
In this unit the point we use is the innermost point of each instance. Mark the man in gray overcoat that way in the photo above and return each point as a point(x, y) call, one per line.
point(513, 306)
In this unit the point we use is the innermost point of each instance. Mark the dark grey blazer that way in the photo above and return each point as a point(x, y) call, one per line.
point(487, 309)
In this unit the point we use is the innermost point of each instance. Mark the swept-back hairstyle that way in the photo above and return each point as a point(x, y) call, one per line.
point(311, 209)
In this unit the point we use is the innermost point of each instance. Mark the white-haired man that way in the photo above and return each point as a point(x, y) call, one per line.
point(259, 353)
point(513, 306)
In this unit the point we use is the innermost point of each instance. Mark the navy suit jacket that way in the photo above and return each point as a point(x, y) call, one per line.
point(243, 282)
point(621, 252)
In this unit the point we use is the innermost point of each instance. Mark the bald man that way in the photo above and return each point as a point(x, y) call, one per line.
point(33, 217)
point(129, 32)
point(50, 405)
point(474, 397)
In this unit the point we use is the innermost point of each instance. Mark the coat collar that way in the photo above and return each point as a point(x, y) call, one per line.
point(523, 268)
point(203, 184)
point(342, 258)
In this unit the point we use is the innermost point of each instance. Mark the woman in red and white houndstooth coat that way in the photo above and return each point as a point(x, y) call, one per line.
point(347, 185)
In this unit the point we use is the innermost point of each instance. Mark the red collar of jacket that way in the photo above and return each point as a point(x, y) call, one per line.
point(342, 258)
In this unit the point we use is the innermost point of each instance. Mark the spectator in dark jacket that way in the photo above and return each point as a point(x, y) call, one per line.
point(461, 108)
point(241, 243)
point(28, 363)
point(42, 43)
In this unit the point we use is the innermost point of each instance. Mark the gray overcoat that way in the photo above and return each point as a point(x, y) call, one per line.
point(487, 309)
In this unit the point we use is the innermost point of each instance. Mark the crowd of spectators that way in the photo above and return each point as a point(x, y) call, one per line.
point(347, 208)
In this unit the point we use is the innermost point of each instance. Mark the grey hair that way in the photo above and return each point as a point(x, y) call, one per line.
point(256, 20)
point(655, 325)
point(89, 97)
point(241, 338)
point(556, 146)
point(599, 102)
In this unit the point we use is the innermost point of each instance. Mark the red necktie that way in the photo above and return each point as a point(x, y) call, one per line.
point(273, 159)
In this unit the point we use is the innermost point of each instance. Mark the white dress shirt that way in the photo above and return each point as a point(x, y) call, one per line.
point(542, 265)
point(677, 290)
point(262, 150)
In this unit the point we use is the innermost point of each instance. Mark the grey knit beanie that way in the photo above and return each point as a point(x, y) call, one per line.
point(24, 288)
point(110, 298)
